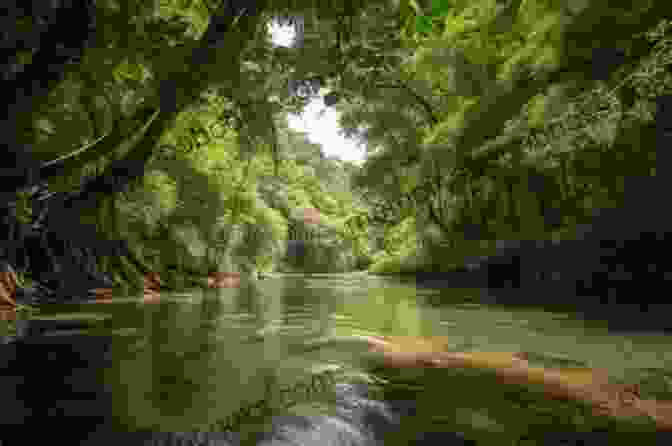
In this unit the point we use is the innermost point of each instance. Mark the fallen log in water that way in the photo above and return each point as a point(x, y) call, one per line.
point(223, 280)
point(586, 385)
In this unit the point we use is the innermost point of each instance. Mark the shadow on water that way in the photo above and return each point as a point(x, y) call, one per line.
point(131, 373)
point(597, 306)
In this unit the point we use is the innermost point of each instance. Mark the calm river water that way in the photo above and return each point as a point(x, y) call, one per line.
point(191, 359)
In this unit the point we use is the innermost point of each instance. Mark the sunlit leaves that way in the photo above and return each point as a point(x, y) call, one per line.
point(440, 7)
point(424, 20)
point(197, 171)
point(457, 26)
point(536, 111)
point(127, 71)
point(496, 57)
point(402, 236)
point(423, 24)
point(156, 198)
point(450, 127)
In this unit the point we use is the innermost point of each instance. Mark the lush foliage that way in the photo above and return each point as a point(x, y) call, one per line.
point(176, 98)
point(502, 126)
point(484, 120)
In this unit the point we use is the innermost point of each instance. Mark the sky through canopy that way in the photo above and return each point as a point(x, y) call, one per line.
point(318, 121)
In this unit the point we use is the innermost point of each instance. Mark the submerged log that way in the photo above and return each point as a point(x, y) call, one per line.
point(224, 280)
point(586, 385)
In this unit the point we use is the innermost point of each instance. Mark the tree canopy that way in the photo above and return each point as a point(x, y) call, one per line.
point(483, 120)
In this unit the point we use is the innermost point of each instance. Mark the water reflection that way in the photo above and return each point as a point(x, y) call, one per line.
point(191, 359)
point(223, 349)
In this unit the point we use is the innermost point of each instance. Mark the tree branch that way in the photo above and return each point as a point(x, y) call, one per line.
point(104, 145)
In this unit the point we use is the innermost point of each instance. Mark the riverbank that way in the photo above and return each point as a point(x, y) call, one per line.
point(614, 269)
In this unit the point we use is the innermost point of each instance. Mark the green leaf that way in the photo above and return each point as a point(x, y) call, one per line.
point(423, 24)
point(440, 8)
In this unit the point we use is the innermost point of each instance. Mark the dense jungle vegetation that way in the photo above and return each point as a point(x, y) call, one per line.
point(152, 135)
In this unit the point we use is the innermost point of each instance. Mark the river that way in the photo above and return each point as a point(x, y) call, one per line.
point(192, 359)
